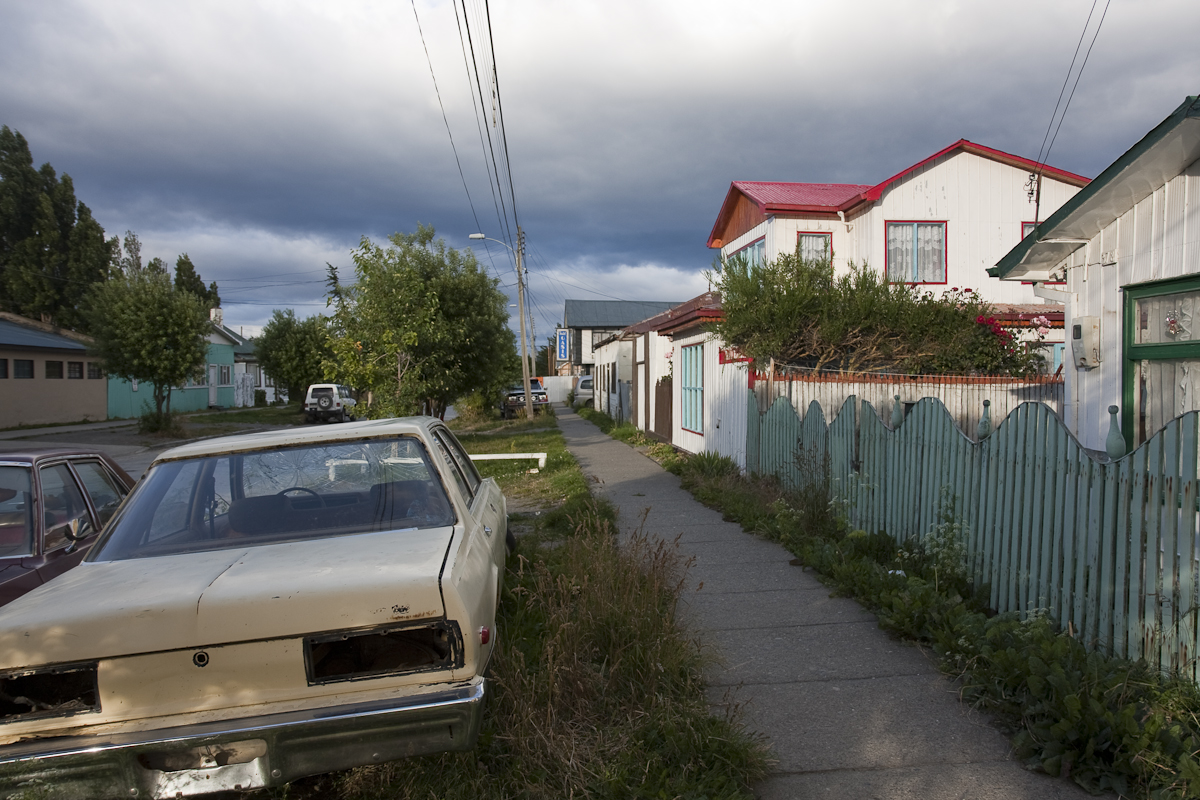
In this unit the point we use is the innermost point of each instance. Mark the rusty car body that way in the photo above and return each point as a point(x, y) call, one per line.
point(262, 607)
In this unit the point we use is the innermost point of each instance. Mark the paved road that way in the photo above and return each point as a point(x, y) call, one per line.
point(850, 712)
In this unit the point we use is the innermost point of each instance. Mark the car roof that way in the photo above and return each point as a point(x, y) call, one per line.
point(32, 453)
point(288, 437)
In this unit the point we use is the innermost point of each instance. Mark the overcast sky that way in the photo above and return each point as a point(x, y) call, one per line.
point(266, 138)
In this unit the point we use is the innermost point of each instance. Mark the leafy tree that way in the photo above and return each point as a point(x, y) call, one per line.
point(421, 326)
point(147, 330)
point(293, 352)
point(541, 361)
point(188, 280)
point(51, 248)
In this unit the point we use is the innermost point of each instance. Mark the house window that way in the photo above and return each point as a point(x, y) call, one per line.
point(815, 246)
point(1027, 228)
point(225, 378)
point(692, 392)
point(75, 370)
point(3, 368)
point(916, 252)
point(754, 253)
point(22, 367)
point(54, 369)
point(94, 371)
point(1161, 348)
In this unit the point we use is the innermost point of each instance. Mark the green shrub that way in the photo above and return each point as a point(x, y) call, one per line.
point(796, 311)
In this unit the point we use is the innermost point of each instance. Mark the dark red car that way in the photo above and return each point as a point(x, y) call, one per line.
point(53, 502)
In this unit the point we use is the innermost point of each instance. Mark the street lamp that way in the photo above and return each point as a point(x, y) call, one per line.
point(520, 311)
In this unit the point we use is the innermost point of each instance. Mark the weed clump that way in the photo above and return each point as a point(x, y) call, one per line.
point(597, 688)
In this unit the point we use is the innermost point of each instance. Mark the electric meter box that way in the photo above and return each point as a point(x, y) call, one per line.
point(1085, 342)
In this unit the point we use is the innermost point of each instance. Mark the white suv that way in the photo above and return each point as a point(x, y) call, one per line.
point(326, 401)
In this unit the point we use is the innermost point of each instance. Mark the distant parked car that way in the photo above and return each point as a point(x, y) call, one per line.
point(262, 607)
point(326, 401)
point(53, 502)
point(514, 398)
point(584, 394)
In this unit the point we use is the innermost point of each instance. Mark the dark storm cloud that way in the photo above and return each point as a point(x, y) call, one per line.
point(266, 138)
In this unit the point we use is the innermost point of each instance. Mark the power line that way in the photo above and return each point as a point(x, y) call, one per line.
point(491, 149)
point(1078, 75)
point(1066, 80)
point(443, 108)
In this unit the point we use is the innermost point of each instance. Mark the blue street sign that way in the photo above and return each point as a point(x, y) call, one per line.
point(564, 350)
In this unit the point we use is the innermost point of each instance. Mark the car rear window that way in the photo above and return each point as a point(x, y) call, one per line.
point(282, 494)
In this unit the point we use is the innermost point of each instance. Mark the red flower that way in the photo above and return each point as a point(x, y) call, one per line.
point(979, 320)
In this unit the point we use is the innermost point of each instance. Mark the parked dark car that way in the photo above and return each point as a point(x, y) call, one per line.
point(53, 503)
point(514, 399)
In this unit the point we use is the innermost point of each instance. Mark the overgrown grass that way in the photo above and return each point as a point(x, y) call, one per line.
point(598, 418)
point(291, 414)
point(558, 490)
point(595, 687)
point(1106, 723)
point(484, 423)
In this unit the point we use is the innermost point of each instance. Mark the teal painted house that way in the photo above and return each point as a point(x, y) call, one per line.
point(214, 389)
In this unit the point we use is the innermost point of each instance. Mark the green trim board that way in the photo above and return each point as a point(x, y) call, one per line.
point(1132, 354)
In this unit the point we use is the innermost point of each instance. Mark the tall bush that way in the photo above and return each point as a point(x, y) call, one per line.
point(796, 311)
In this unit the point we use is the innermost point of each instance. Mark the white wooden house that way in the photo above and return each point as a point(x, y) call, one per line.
point(590, 322)
point(1128, 247)
point(940, 223)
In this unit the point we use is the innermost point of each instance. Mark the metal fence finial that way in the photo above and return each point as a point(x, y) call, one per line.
point(985, 422)
point(897, 412)
point(1114, 445)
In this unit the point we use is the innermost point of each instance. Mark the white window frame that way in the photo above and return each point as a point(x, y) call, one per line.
point(913, 277)
point(826, 235)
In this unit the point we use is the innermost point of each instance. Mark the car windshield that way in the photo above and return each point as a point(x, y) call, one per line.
point(16, 512)
point(282, 494)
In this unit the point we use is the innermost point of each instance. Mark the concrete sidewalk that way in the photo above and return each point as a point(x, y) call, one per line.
point(849, 712)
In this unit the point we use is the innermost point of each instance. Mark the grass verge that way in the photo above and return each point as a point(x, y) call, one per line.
point(596, 689)
point(1106, 723)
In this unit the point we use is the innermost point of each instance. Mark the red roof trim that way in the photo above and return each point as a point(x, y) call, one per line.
point(875, 192)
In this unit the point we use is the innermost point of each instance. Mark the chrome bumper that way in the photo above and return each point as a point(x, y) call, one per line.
point(243, 754)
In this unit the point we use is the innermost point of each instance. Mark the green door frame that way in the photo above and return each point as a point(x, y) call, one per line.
point(1132, 353)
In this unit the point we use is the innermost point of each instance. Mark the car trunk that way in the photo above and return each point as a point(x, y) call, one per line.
point(107, 609)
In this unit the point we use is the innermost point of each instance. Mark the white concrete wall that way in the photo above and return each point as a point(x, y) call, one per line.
point(1159, 238)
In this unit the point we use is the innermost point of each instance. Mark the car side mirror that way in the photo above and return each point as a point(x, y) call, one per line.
point(78, 529)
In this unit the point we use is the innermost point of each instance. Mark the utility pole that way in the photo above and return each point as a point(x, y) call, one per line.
point(521, 311)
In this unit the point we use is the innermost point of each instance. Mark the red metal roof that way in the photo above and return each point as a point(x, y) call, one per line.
point(775, 196)
point(829, 198)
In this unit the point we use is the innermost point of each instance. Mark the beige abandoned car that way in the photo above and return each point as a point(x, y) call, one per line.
point(261, 608)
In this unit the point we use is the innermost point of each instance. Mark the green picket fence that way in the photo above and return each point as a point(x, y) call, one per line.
point(1109, 549)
